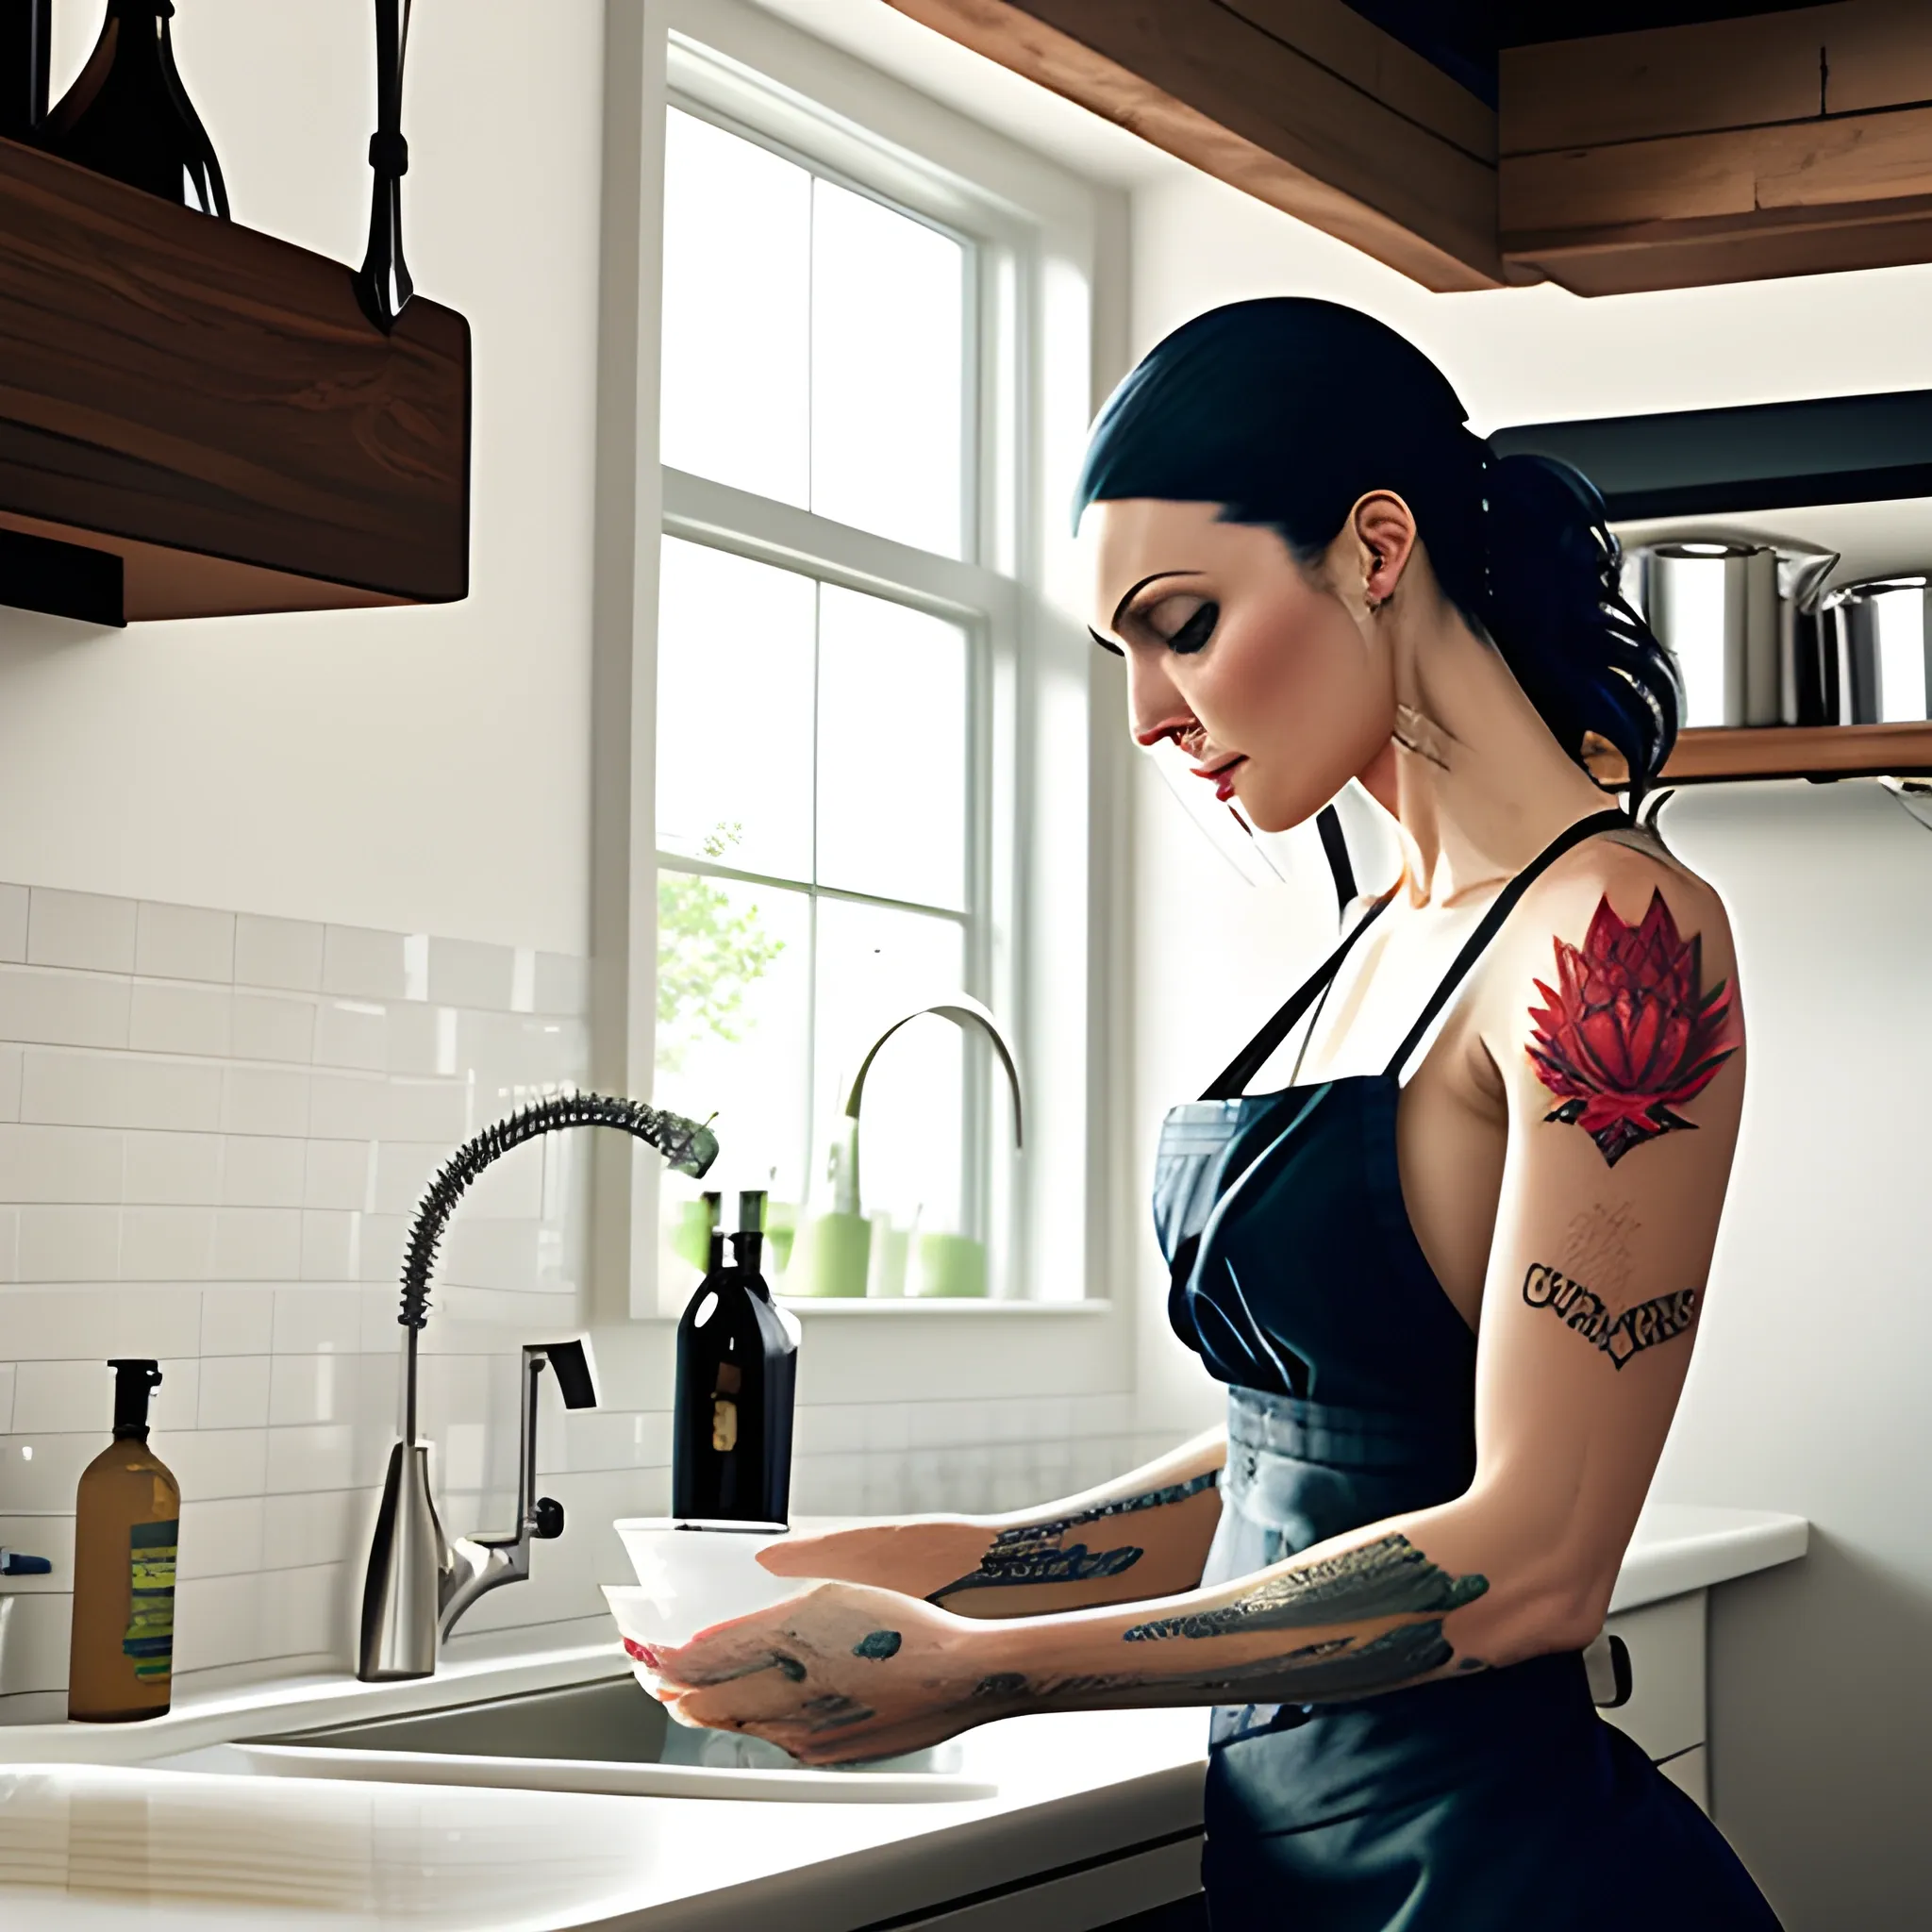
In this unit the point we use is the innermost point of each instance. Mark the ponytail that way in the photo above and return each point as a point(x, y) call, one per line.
point(1287, 411)
point(1552, 601)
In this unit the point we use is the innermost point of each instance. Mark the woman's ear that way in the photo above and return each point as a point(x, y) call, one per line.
point(1384, 531)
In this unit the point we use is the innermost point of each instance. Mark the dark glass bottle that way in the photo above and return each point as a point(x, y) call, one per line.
point(129, 117)
point(126, 1520)
point(737, 1368)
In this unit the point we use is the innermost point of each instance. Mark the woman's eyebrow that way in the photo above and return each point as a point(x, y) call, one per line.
point(1105, 643)
point(1133, 591)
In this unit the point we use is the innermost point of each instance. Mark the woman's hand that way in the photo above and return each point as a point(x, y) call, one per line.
point(914, 1557)
point(843, 1672)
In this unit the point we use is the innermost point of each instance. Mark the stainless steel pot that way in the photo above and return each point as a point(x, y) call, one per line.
point(1741, 619)
point(1877, 647)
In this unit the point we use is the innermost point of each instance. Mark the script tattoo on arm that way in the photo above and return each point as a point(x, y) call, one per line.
point(1388, 1577)
point(1627, 1036)
point(1619, 1336)
point(1033, 1553)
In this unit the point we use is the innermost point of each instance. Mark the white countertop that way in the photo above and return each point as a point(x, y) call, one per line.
point(93, 1840)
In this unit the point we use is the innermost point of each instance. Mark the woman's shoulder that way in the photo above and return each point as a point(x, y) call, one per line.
point(1622, 894)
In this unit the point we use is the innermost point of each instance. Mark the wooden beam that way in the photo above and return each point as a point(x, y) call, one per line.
point(212, 405)
point(1300, 103)
point(1782, 144)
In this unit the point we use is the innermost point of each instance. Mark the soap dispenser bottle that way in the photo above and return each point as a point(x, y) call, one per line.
point(126, 1520)
point(736, 1366)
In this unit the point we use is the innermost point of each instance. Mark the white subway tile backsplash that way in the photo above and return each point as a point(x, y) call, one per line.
point(352, 1033)
point(167, 1244)
point(239, 1322)
point(220, 1539)
point(184, 943)
point(331, 1244)
point(256, 1244)
point(346, 1106)
point(83, 929)
point(62, 1009)
point(317, 1320)
point(13, 902)
point(214, 1132)
point(278, 952)
point(264, 1100)
point(101, 1089)
point(183, 1170)
point(50, 1398)
point(61, 1164)
point(260, 1171)
point(212, 1463)
point(299, 1529)
point(318, 1456)
point(359, 963)
point(437, 1110)
point(39, 1470)
point(234, 1393)
point(339, 1175)
point(70, 1244)
point(168, 1017)
point(269, 1026)
point(468, 973)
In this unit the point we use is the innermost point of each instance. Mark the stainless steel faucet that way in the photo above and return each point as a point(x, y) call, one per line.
point(419, 1583)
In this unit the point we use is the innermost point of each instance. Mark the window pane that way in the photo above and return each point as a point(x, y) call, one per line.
point(734, 992)
point(735, 710)
point(874, 965)
point(737, 311)
point(888, 371)
point(891, 750)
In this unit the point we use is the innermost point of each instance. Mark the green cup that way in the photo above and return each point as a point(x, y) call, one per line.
point(691, 1234)
point(950, 1267)
point(831, 1256)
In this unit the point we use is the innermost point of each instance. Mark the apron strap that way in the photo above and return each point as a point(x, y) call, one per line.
point(1235, 1077)
point(1500, 909)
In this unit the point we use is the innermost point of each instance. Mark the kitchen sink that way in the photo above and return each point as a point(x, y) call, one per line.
point(607, 1736)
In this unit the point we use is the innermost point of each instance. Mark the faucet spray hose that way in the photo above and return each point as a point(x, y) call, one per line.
point(686, 1146)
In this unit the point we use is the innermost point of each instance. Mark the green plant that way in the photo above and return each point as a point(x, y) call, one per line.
point(708, 956)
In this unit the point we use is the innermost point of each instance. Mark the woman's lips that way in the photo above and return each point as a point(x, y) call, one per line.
point(1222, 776)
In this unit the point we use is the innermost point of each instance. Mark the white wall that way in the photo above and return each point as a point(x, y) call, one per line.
point(1810, 1387)
point(417, 770)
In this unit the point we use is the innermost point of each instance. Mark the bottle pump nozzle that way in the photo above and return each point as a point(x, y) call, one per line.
point(135, 1379)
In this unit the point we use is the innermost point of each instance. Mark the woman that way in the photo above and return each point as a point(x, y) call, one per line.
point(1451, 1275)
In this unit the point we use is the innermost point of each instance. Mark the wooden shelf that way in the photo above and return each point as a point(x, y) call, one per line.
point(210, 406)
point(1804, 751)
point(1801, 751)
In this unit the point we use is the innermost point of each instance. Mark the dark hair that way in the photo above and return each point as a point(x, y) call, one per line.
point(1287, 410)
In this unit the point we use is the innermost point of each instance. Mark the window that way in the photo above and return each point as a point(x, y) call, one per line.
point(871, 762)
point(817, 796)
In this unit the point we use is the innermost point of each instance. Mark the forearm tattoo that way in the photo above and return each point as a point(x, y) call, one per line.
point(1627, 1036)
point(1620, 1336)
point(1033, 1552)
point(1388, 1577)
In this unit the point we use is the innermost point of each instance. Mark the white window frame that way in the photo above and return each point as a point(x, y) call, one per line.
point(1051, 804)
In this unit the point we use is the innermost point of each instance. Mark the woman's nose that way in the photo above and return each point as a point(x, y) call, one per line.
point(1157, 708)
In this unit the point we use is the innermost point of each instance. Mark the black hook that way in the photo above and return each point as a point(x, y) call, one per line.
point(382, 283)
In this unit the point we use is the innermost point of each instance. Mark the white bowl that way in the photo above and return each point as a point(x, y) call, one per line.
point(693, 1574)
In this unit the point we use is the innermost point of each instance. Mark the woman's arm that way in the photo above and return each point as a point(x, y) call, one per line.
point(1617, 1056)
point(1143, 1534)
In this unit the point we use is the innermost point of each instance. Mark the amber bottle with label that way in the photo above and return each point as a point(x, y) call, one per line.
point(127, 1517)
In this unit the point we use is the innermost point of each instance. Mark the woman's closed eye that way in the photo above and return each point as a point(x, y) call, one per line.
point(1183, 621)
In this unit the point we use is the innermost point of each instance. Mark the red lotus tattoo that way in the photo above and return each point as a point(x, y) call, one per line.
point(1626, 1036)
